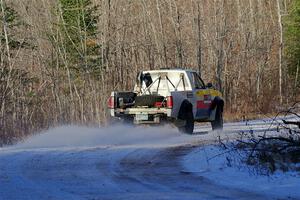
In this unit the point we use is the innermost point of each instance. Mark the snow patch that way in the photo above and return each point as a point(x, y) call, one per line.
point(212, 162)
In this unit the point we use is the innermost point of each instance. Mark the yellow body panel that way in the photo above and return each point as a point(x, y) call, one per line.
point(211, 92)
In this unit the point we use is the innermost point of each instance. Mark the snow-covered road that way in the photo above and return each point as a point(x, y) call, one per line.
point(133, 163)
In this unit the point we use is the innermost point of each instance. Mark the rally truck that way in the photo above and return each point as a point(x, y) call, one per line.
point(169, 95)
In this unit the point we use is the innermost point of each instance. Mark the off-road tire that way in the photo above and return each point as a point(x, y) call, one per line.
point(217, 124)
point(148, 100)
point(186, 114)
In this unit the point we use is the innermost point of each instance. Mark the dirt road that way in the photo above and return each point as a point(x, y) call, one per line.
point(140, 164)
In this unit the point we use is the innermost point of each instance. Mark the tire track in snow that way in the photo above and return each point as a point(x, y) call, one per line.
point(146, 168)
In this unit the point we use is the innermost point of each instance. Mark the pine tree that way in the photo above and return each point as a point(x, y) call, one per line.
point(292, 43)
point(10, 43)
point(79, 27)
point(15, 83)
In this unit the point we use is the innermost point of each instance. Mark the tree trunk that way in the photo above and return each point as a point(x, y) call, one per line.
point(280, 49)
point(199, 49)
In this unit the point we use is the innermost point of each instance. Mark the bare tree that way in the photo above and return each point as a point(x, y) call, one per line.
point(280, 49)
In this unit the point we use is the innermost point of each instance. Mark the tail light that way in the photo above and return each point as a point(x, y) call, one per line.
point(170, 102)
point(158, 104)
point(111, 102)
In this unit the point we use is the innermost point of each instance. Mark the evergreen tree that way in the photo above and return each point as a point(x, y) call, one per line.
point(15, 81)
point(79, 25)
point(10, 42)
point(292, 43)
point(9, 20)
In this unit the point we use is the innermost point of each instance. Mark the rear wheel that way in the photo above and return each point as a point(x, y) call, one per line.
point(217, 124)
point(186, 114)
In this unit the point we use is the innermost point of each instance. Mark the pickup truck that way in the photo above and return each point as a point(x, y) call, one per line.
point(169, 95)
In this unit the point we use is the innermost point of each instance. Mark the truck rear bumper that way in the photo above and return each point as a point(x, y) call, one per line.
point(145, 115)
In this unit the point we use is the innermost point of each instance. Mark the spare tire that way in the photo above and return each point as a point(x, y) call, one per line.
point(148, 100)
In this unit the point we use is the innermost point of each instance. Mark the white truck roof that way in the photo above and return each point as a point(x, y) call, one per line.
point(173, 82)
point(180, 70)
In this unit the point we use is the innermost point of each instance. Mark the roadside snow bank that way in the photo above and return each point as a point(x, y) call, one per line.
point(214, 164)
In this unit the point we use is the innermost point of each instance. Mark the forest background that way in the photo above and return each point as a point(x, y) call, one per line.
point(60, 59)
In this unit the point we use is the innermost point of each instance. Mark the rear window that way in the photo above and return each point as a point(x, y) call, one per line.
point(197, 81)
